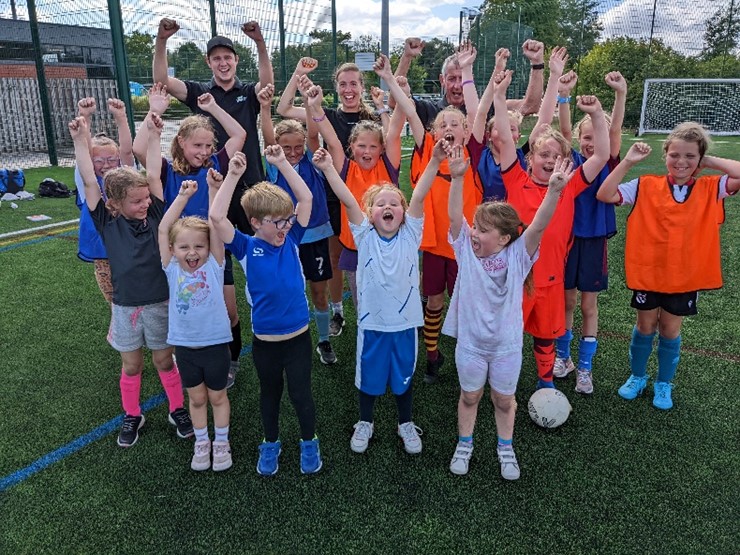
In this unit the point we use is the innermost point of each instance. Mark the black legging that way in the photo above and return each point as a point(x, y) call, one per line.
point(294, 357)
point(403, 404)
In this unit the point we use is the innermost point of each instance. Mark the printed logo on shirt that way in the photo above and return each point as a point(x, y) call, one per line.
point(192, 290)
point(257, 251)
point(241, 98)
point(641, 298)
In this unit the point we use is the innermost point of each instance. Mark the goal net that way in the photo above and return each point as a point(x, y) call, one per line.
point(714, 103)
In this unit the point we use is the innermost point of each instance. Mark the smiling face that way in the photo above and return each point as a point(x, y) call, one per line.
point(105, 158)
point(222, 62)
point(135, 204)
point(386, 211)
point(682, 160)
point(543, 159)
point(451, 82)
point(266, 229)
point(349, 86)
point(450, 126)
point(586, 139)
point(190, 249)
point(366, 149)
point(293, 145)
point(494, 141)
point(196, 147)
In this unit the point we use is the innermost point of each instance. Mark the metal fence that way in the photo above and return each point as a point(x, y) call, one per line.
point(55, 52)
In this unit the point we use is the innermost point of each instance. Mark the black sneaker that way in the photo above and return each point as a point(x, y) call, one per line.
point(130, 430)
point(336, 325)
point(326, 353)
point(181, 419)
point(432, 374)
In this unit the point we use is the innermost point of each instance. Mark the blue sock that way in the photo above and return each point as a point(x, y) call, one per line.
point(543, 384)
point(562, 344)
point(640, 349)
point(466, 439)
point(222, 434)
point(669, 352)
point(322, 324)
point(586, 351)
point(505, 442)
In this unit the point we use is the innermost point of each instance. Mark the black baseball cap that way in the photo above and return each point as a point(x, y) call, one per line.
point(217, 41)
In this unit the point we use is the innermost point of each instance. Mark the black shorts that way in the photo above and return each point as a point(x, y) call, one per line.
point(315, 260)
point(206, 364)
point(335, 215)
point(678, 304)
point(228, 269)
point(586, 268)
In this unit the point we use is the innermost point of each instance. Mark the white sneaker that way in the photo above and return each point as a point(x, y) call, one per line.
point(562, 367)
point(584, 382)
point(221, 456)
point(201, 455)
point(509, 466)
point(461, 458)
point(410, 433)
point(361, 436)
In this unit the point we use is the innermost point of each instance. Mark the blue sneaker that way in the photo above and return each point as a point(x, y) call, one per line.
point(311, 461)
point(267, 465)
point(662, 399)
point(633, 387)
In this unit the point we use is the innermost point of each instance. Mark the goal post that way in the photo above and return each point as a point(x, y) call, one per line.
point(714, 103)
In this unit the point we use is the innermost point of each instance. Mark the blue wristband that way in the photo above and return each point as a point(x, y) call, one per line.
point(563, 100)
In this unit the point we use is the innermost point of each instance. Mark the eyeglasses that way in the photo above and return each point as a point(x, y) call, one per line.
point(110, 160)
point(282, 223)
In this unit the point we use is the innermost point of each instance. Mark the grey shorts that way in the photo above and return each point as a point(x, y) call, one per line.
point(501, 370)
point(132, 327)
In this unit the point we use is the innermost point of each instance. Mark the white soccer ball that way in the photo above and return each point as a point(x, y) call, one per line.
point(549, 408)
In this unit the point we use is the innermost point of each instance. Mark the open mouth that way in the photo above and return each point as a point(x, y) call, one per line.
point(388, 216)
point(450, 138)
point(192, 262)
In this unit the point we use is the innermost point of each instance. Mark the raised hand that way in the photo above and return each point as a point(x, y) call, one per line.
point(562, 172)
point(638, 152)
point(441, 150)
point(457, 162)
point(238, 162)
point(188, 188)
point(77, 127)
point(154, 123)
point(274, 154)
point(534, 51)
point(501, 81)
point(214, 178)
point(466, 54)
point(206, 102)
point(558, 59)
point(378, 96)
point(322, 159)
point(502, 58)
point(86, 106)
point(403, 82)
point(117, 108)
point(567, 83)
point(616, 82)
point(314, 96)
point(167, 28)
point(588, 103)
point(266, 94)
point(413, 46)
point(253, 31)
point(382, 67)
point(306, 65)
point(159, 100)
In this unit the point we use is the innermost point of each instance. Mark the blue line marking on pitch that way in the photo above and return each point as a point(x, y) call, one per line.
point(35, 241)
point(73, 446)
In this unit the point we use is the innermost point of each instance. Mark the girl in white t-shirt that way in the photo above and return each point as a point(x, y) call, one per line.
point(494, 258)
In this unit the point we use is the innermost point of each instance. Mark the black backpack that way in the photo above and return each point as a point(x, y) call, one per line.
point(53, 189)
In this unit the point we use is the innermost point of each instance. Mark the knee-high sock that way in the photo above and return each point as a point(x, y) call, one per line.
point(432, 325)
point(586, 351)
point(173, 387)
point(322, 324)
point(236, 341)
point(367, 406)
point(130, 391)
point(669, 353)
point(403, 404)
point(640, 348)
point(544, 357)
point(562, 344)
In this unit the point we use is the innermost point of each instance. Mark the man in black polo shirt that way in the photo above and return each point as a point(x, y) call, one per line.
point(239, 100)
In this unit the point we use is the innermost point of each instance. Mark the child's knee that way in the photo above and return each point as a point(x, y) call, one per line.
point(162, 360)
point(504, 403)
point(471, 398)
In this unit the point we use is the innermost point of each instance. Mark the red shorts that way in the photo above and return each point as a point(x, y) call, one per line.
point(544, 312)
point(438, 273)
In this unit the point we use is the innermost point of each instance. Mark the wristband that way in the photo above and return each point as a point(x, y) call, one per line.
point(468, 82)
point(537, 66)
point(563, 99)
point(384, 110)
point(318, 120)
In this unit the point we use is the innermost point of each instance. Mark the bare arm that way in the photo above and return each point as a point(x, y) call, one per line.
point(264, 65)
point(274, 155)
point(233, 129)
point(314, 97)
point(265, 99)
point(619, 84)
point(466, 55)
point(285, 105)
point(173, 213)
point(534, 51)
point(159, 100)
point(566, 83)
point(507, 155)
point(154, 126)
point(592, 167)
point(726, 166)
point(486, 100)
point(609, 190)
point(458, 166)
point(177, 88)
point(215, 180)
point(558, 59)
point(562, 173)
point(78, 130)
point(125, 141)
point(86, 108)
point(382, 68)
point(217, 219)
point(322, 160)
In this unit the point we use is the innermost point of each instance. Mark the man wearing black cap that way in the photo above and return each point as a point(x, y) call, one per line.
point(239, 100)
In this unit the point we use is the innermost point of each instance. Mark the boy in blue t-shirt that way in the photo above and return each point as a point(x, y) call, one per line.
point(276, 291)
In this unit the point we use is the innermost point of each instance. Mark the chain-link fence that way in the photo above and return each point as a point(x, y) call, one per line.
point(68, 49)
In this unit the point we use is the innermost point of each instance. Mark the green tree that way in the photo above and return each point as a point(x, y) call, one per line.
point(138, 48)
point(246, 69)
point(430, 61)
point(580, 26)
point(189, 63)
point(722, 32)
point(542, 15)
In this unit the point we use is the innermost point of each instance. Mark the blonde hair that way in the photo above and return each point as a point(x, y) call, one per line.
point(367, 126)
point(287, 126)
point(366, 112)
point(514, 115)
point(691, 132)
point(193, 223)
point(103, 141)
point(265, 199)
point(368, 199)
point(188, 126)
point(503, 217)
point(449, 110)
point(117, 183)
point(547, 134)
point(587, 119)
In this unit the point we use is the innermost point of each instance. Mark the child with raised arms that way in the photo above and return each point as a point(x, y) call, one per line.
point(127, 223)
point(594, 223)
point(494, 258)
point(193, 260)
point(387, 235)
point(672, 248)
point(276, 291)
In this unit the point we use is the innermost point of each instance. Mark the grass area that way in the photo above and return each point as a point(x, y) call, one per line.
point(618, 477)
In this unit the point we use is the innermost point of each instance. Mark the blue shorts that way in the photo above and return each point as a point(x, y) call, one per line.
point(586, 268)
point(385, 358)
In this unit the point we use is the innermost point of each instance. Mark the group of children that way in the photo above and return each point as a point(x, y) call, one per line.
point(509, 234)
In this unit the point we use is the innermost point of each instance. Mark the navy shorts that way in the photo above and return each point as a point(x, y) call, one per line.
point(586, 268)
point(678, 304)
point(315, 260)
point(335, 215)
point(206, 364)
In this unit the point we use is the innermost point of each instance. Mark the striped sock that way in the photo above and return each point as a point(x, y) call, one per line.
point(432, 327)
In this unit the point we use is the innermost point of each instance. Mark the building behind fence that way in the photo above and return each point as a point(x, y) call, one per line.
point(77, 50)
